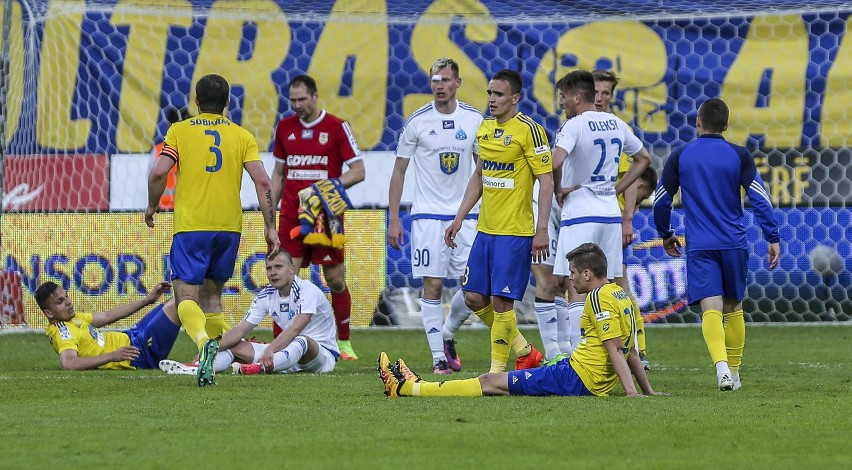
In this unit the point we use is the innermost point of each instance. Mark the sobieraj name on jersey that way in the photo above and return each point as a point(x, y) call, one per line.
point(209, 122)
point(608, 125)
point(305, 160)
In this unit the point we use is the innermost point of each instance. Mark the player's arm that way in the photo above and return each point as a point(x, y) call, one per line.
point(541, 240)
point(123, 311)
point(762, 204)
point(277, 183)
point(297, 324)
point(157, 181)
point(638, 371)
point(641, 161)
point(236, 334)
point(354, 175)
point(70, 360)
point(663, 198)
point(263, 186)
point(471, 194)
point(613, 349)
point(397, 182)
point(630, 203)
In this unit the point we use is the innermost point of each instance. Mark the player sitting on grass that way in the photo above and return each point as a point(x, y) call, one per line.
point(605, 354)
point(81, 346)
point(307, 342)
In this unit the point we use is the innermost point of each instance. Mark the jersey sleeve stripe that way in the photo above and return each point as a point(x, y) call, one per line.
point(352, 142)
point(760, 190)
point(594, 298)
point(535, 130)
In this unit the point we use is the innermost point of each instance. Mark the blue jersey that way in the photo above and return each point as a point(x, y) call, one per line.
point(711, 171)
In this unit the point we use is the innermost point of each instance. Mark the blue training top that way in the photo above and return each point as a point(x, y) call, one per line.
point(711, 171)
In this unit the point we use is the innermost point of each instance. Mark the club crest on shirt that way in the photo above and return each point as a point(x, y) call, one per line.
point(449, 162)
point(323, 138)
point(460, 135)
point(507, 140)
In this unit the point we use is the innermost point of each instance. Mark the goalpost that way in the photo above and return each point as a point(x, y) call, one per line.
point(89, 84)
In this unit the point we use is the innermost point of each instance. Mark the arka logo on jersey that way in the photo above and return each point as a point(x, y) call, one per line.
point(449, 162)
point(507, 140)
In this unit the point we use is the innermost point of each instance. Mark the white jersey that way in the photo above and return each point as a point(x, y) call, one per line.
point(442, 148)
point(595, 142)
point(305, 297)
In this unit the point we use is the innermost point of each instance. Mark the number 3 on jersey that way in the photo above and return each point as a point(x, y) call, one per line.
point(215, 150)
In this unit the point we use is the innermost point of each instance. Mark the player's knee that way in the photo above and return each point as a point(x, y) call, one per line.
point(432, 288)
point(494, 384)
point(475, 301)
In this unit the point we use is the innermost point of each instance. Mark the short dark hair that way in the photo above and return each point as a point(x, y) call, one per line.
point(649, 177)
point(588, 256)
point(514, 79)
point(212, 91)
point(443, 63)
point(44, 292)
point(714, 115)
point(605, 76)
point(306, 81)
point(580, 81)
point(174, 115)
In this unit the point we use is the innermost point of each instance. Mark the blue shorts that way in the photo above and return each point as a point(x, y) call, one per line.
point(499, 265)
point(559, 379)
point(197, 256)
point(716, 272)
point(154, 335)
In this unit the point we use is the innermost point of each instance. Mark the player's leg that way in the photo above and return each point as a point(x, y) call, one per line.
point(735, 269)
point(559, 379)
point(459, 312)
point(510, 273)
point(570, 238)
point(341, 303)
point(155, 335)
point(211, 304)
point(430, 262)
point(704, 285)
point(241, 353)
point(300, 252)
point(545, 309)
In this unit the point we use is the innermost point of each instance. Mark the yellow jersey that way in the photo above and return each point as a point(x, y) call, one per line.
point(512, 154)
point(608, 314)
point(78, 334)
point(210, 152)
point(623, 166)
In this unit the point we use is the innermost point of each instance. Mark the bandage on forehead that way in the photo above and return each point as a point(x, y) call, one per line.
point(437, 78)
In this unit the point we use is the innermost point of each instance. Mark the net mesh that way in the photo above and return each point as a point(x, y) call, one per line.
point(91, 84)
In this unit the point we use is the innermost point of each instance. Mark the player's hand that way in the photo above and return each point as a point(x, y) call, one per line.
point(774, 255)
point(659, 394)
point(627, 235)
point(149, 215)
point(635, 394)
point(450, 233)
point(126, 353)
point(540, 246)
point(564, 192)
point(395, 238)
point(157, 291)
point(265, 361)
point(273, 243)
point(672, 246)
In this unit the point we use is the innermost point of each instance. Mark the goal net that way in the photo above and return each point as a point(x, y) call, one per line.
point(90, 87)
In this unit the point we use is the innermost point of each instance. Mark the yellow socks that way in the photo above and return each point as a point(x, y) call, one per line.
point(486, 314)
point(503, 332)
point(520, 345)
point(735, 339)
point(193, 320)
point(640, 327)
point(451, 388)
point(714, 335)
point(216, 325)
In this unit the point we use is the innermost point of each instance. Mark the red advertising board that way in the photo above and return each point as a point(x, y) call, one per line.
point(56, 182)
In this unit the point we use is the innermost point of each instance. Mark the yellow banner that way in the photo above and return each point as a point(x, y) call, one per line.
point(112, 258)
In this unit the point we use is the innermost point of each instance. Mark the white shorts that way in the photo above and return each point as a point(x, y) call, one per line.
point(606, 236)
point(552, 229)
point(431, 257)
point(324, 362)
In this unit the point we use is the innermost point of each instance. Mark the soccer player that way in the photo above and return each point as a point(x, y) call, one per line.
point(307, 342)
point(586, 153)
point(550, 309)
point(440, 138)
point(167, 200)
point(711, 171)
point(210, 152)
point(604, 357)
point(82, 346)
point(514, 153)
point(628, 201)
point(314, 145)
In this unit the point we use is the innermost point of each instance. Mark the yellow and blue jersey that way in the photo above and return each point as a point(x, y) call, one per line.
point(210, 151)
point(78, 334)
point(512, 154)
point(608, 314)
point(623, 166)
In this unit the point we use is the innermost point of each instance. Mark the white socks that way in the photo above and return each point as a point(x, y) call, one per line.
point(575, 311)
point(545, 314)
point(458, 314)
point(432, 314)
point(562, 338)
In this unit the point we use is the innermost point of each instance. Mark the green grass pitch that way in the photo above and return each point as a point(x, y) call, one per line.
point(793, 412)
